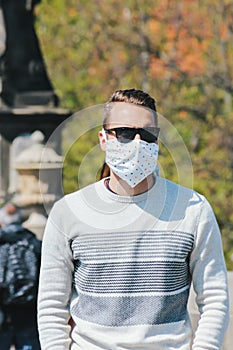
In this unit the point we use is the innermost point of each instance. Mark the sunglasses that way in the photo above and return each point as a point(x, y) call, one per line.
point(125, 135)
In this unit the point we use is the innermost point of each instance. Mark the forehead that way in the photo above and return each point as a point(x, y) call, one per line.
point(128, 114)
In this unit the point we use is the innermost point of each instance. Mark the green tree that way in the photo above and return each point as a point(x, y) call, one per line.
point(180, 52)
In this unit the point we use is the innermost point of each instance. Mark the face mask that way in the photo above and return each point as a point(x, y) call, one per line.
point(132, 161)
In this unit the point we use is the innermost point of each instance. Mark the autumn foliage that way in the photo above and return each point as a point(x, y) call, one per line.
point(179, 51)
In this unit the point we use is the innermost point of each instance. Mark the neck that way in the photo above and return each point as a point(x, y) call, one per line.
point(120, 187)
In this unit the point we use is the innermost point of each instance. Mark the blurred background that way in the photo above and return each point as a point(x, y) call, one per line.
point(181, 52)
point(60, 57)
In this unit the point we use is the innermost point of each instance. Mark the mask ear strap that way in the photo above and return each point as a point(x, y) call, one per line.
point(104, 134)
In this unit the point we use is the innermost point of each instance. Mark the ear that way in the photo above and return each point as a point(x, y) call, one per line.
point(102, 140)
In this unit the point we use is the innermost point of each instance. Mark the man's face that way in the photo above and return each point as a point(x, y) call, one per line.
point(128, 115)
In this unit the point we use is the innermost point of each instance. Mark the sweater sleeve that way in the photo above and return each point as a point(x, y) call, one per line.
point(209, 277)
point(55, 285)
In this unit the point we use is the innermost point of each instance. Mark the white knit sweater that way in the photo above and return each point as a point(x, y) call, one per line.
point(122, 267)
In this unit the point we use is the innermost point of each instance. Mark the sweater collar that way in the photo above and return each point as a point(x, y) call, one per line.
point(106, 192)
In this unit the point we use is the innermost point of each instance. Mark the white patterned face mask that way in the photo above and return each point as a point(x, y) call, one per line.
point(132, 161)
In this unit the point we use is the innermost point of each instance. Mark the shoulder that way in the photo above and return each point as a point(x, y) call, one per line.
point(79, 196)
point(180, 192)
point(73, 204)
point(184, 204)
point(180, 201)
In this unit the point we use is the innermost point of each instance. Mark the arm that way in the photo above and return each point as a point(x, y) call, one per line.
point(209, 276)
point(55, 285)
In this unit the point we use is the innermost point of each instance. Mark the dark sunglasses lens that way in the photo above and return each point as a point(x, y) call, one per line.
point(125, 135)
point(148, 136)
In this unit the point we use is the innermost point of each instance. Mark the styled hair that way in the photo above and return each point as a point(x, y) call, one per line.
point(136, 97)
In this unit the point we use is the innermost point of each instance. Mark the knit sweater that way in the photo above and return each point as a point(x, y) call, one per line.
point(122, 268)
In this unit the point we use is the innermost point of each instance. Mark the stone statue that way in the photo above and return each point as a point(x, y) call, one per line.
point(2, 34)
point(23, 73)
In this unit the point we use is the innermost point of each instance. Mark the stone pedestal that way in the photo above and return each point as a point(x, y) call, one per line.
point(36, 223)
point(39, 177)
point(20, 121)
point(4, 166)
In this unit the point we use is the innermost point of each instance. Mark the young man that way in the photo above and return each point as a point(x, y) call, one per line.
point(119, 255)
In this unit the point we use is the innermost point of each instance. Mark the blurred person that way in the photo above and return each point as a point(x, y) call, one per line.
point(19, 272)
point(119, 256)
point(9, 214)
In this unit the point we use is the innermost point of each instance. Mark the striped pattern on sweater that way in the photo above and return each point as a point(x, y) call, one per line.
point(119, 274)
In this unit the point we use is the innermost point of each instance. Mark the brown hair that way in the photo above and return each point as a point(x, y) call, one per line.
point(105, 171)
point(136, 97)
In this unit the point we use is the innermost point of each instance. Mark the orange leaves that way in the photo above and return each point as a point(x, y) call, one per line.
point(224, 31)
point(183, 35)
point(153, 26)
point(189, 55)
point(158, 68)
point(182, 115)
point(72, 12)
